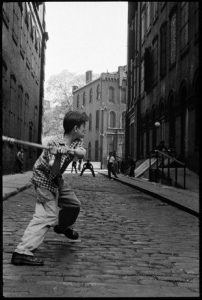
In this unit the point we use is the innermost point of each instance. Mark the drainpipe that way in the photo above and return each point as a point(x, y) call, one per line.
point(41, 92)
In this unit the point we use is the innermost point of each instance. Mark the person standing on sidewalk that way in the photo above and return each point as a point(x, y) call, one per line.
point(74, 163)
point(89, 166)
point(47, 180)
point(110, 165)
point(20, 160)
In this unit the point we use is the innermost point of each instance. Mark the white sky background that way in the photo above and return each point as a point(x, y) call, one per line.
point(86, 36)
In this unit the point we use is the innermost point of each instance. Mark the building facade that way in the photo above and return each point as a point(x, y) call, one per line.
point(24, 39)
point(104, 101)
point(163, 79)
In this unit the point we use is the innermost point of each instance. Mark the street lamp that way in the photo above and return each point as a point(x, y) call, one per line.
point(157, 124)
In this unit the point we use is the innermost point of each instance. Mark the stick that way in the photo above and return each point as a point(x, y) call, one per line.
point(25, 143)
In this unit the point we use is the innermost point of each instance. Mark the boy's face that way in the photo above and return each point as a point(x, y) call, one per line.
point(80, 131)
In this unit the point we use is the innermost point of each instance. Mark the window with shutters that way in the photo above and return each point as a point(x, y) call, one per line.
point(15, 30)
point(5, 13)
point(91, 96)
point(184, 10)
point(155, 11)
point(148, 15)
point(96, 150)
point(90, 122)
point(111, 94)
point(123, 119)
point(89, 150)
point(19, 110)
point(143, 25)
point(155, 59)
point(142, 77)
point(77, 101)
point(98, 92)
point(148, 69)
point(123, 95)
point(163, 48)
point(84, 99)
point(97, 119)
point(173, 38)
point(112, 119)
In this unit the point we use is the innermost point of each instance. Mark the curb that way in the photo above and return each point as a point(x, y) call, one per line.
point(162, 198)
point(8, 195)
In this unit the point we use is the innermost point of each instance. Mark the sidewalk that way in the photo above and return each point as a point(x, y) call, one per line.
point(14, 183)
point(184, 199)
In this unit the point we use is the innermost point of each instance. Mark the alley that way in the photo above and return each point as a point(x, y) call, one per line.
point(132, 245)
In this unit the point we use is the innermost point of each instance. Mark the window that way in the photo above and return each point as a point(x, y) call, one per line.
point(148, 69)
point(142, 76)
point(96, 150)
point(6, 8)
point(155, 59)
point(89, 150)
point(19, 110)
point(13, 98)
point(77, 101)
point(84, 99)
point(97, 119)
point(143, 18)
point(23, 38)
point(196, 18)
point(163, 47)
point(173, 37)
point(162, 5)
point(90, 122)
point(91, 96)
point(123, 119)
point(98, 92)
point(184, 24)
point(111, 94)
point(26, 16)
point(155, 11)
point(148, 15)
point(15, 32)
point(123, 95)
point(112, 119)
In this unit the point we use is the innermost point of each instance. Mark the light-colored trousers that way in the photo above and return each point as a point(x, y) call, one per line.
point(45, 216)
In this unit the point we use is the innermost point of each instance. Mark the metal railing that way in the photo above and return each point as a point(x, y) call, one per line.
point(165, 161)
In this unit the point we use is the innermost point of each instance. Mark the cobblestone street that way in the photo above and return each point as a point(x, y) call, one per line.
point(132, 245)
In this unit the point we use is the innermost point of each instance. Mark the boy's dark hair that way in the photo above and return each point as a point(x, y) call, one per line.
point(73, 118)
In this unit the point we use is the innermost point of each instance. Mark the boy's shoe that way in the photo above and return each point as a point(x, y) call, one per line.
point(24, 259)
point(69, 232)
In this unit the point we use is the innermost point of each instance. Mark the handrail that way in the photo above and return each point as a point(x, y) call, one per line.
point(170, 157)
point(163, 156)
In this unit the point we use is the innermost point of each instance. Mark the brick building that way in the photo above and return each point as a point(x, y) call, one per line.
point(23, 58)
point(163, 79)
point(104, 101)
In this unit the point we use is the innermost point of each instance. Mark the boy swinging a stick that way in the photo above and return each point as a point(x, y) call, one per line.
point(48, 183)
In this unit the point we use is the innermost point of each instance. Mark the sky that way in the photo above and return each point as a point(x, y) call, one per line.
point(86, 36)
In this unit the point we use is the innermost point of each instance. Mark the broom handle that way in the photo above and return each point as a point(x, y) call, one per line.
point(25, 143)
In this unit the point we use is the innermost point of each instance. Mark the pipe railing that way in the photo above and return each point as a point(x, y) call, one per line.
point(160, 155)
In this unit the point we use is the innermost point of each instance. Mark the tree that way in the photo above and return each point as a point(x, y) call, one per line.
point(58, 90)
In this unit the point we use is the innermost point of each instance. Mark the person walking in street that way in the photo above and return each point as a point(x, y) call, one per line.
point(89, 166)
point(74, 164)
point(79, 166)
point(110, 165)
point(48, 182)
point(20, 160)
point(132, 167)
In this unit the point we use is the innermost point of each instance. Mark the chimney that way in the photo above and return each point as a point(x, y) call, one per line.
point(88, 76)
point(74, 87)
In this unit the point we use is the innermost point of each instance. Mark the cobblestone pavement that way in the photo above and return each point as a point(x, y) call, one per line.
point(132, 245)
